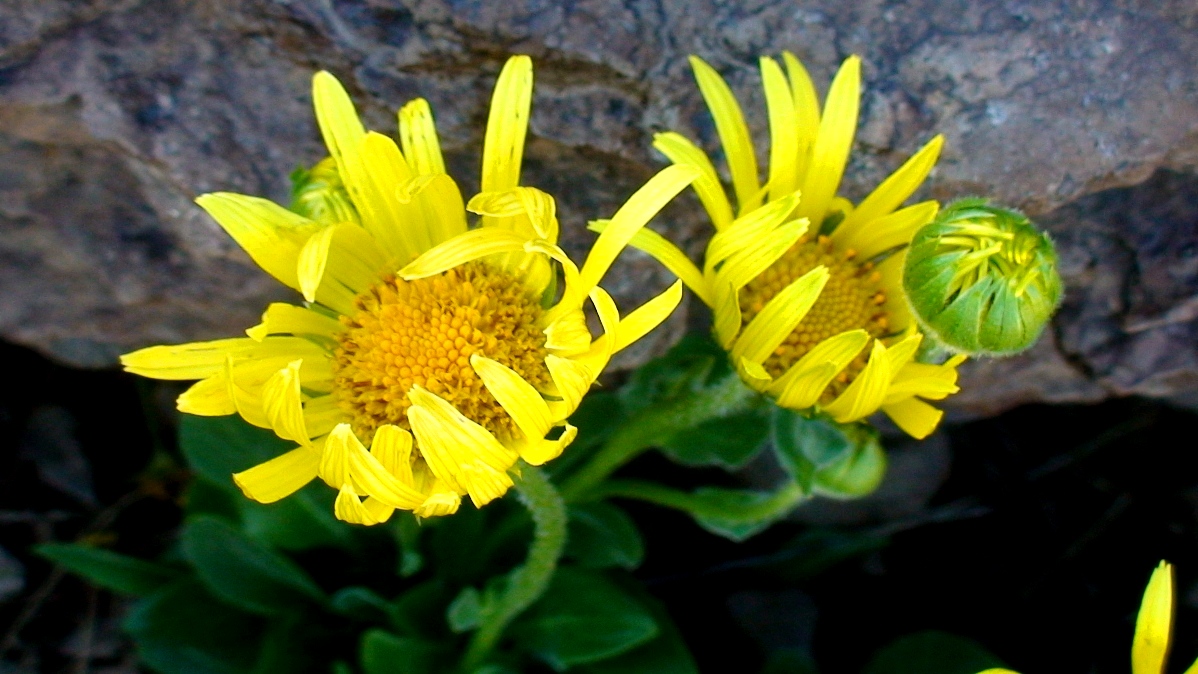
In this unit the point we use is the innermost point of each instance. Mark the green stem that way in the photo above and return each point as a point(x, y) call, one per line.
point(761, 506)
point(527, 583)
point(656, 424)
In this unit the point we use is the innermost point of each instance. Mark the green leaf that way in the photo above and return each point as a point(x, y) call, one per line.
point(182, 629)
point(855, 476)
point(601, 536)
point(283, 648)
point(583, 617)
point(465, 611)
point(728, 442)
point(243, 572)
point(789, 661)
point(112, 571)
point(664, 654)
point(361, 603)
point(217, 447)
point(838, 460)
point(738, 514)
point(386, 653)
point(420, 611)
point(932, 652)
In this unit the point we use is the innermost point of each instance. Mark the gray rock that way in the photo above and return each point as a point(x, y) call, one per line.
point(114, 114)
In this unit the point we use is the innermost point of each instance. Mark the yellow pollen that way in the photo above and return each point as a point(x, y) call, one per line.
point(423, 332)
point(850, 300)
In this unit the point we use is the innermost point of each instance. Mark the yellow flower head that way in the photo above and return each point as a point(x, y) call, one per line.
point(805, 287)
point(449, 351)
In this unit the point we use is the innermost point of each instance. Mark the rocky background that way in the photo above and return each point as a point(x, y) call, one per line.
point(114, 114)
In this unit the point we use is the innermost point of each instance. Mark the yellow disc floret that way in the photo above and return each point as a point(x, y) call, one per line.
point(423, 332)
point(852, 299)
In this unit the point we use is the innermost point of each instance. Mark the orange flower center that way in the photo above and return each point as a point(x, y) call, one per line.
point(423, 332)
point(851, 300)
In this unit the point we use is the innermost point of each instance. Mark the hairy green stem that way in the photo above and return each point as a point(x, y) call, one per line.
point(656, 424)
point(527, 582)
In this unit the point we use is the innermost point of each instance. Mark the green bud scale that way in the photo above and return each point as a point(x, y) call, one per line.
point(982, 280)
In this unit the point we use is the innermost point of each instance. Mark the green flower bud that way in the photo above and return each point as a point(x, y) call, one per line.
point(318, 194)
point(982, 280)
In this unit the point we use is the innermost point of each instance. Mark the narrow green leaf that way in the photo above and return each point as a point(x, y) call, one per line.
point(243, 572)
point(932, 652)
point(728, 442)
point(386, 653)
point(112, 571)
point(738, 514)
point(601, 536)
point(582, 618)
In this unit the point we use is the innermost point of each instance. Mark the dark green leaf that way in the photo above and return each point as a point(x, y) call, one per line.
point(601, 535)
point(299, 522)
point(728, 442)
point(789, 661)
point(420, 611)
point(694, 362)
point(361, 603)
point(838, 460)
point(582, 618)
point(738, 514)
point(283, 649)
point(243, 572)
point(596, 418)
point(203, 497)
point(181, 629)
point(408, 531)
point(465, 611)
point(386, 653)
point(664, 654)
point(932, 652)
point(109, 570)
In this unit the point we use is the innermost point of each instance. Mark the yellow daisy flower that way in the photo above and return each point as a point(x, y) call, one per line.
point(806, 287)
point(449, 351)
point(1154, 627)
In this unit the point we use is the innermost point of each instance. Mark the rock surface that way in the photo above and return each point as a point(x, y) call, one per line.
point(114, 114)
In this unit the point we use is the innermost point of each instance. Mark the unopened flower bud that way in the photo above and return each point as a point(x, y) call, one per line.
point(982, 280)
point(319, 194)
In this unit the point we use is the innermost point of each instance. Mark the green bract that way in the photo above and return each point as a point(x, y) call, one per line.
point(982, 280)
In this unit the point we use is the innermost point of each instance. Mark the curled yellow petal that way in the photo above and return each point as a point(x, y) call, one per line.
point(280, 477)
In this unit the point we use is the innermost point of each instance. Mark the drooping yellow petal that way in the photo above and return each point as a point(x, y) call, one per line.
point(803, 384)
point(271, 234)
point(322, 414)
point(727, 312)
point(830, 152)
point(392, 446)
point(517, 397)
point(1154, 623)
point(281, 476)
point(917, 418)
point(784, 129)
point(536, 205)
point(631, 217)
point(864, 396)
point(806, 104)
point(288, 319)
point(200, 360)
point(418, 135)
point(543, 451)
point(507, 125)
point(458, 450)
point(473, 245)
point(887, 232)
point(895, 189)
point(439, 503)
point(733, 132)
point(779, 317)
point(680, 150)
point(647, 316)
point(568, 334)
point(312, 260)
point(748, 230)
point(572, 379)
point(659, 248)
point(207, 398)
point(282, 403)
point(346, 462)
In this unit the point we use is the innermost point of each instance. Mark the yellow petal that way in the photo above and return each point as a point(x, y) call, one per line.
point(312, 260)
point(392, 446)
point(647, 316)
point(571, 378)
point(283, 404)
point(346, 462)
point(748, 230)
point(895, 306)
point(288, 319)
point(779, 317)
point(917, 418)
point(864, 396)
point(322, 414)
point(247, 401)
point(271, 234)
point(830, 153)
point(727, 312)
point(733, 132)
point(890, 231)
point(659, 248)
point(1154, 623)
point(537, 206)
point(679, 150)
point(348, 508)
point(754, 374)
point(631, 217)
point(803, 384)
point(542, 451)
point(568, 334)
point(507, 125)
point(896, 188)
point(517, 397)
point(756, 257)
point(207, 398)
point(459, 451)
point(806, 104)
point(439, 503)
point(784, 130)
point(281, 476)
point(472, 245)
point(200, 360)
point(418, 134)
